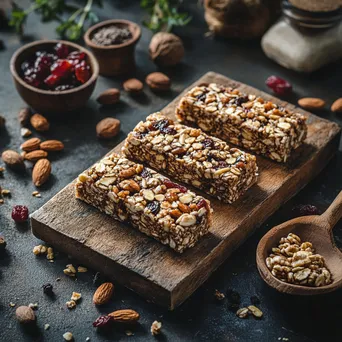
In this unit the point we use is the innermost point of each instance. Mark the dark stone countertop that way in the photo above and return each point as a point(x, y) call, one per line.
point(200, 318)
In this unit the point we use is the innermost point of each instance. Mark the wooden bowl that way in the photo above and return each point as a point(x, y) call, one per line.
point(114, 59)
point(47, 101)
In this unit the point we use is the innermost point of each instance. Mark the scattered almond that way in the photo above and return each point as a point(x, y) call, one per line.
point(133, 86)
point(25, 315)
point(52, 145)
point(125, 316)
point(24, 116)
point(39, 123)
point(337, 106)
point(158, 81)
point(41, 172)
point(311, 103)
point(35, 155)
point(13, 159)
point(108, 128)
point(109, 97)
point(103, 294)
point(30, 145)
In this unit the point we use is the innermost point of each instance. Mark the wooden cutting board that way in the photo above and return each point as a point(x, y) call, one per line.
point(153, 270)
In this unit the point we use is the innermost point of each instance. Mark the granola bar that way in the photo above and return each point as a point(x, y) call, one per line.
point(244, 120)
point(192, 157)
point(150, 202)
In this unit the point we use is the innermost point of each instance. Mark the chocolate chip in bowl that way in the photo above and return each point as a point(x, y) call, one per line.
point(113, 43)
point(54, 76)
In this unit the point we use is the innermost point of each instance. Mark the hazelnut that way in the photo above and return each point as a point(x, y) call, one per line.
point(108, 128)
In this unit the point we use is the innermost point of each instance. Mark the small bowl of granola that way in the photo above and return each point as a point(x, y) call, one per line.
point(113, 43)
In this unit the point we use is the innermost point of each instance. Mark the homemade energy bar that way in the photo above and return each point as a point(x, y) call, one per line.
point(150, 202)
point(244, 120)
point(192, 157)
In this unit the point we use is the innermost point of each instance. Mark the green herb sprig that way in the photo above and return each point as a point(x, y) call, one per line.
point(71, 29)
point(164, 15)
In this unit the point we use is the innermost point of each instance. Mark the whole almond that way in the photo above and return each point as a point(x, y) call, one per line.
point(337, 106)
point(41, 172)
point(311, 103)
point(39, 123)
point(33, 156)
point(108, 128)
point(25, 315)
point(109, 96)
point(103, 294)
point(13, 159)
point(125, 316)
point(24, 116)
point(133, 86)
point(52, 145)
point(158, 81)
point(31, 144)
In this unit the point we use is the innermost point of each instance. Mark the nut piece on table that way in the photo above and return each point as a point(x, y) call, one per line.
point(24, 116)
point(13, 159)
point(41, 172)
point(108, 128)
point(3, 243)
point(166, 49)
point(52, 145)
point(33, 156)
point(39, 123)
point(311, 103)
point(68, 336)
point(124, 316)
point(109, 96)
point(158, 81)
point(156, 328)
point(103, 294)
point(25, 315)
point(336, 107)
point(30, 145)
point(133, 86)
point(25, 132)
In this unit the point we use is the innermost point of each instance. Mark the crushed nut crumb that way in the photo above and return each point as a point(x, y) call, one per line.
point(156, 328)
point(68, 336)
point(33, 306)
point(82, 269)
point(76, 296)
point(71, 304)
point(219, 295)
point(46, 326)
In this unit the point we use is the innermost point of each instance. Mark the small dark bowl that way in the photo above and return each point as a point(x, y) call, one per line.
point(46, 101)
point(114, 59)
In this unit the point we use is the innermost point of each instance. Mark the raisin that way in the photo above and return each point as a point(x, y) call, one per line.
point(201, 97)
point(240, 100)
point(145, 173)
point(171, 185)
point(305, 210)
point(169, 130)
point(278, 85)
point(222, 164)
point(48, 289)
point(208, 143)
point(20, 213)
point(102, 321)
point(154, 207)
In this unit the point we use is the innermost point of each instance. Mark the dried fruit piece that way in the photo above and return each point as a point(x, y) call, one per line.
point(30, 145)
point(278, 85)
point(336, 107)
point(305, 210)
point(311, 103)
point(109, 97)
point(171, 185)
point(108, 128)
point(158, 81)
point(25, 315)
point(103, 294)
point(133, 86)
point(41, 172)
point(13, 159)
point(102, 321)
point(20, 213)
point(62, 50)
point(124, 316)
point(51, 145)
point(39, 123)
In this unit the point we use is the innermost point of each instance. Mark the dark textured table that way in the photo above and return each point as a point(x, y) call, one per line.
point(201, 318)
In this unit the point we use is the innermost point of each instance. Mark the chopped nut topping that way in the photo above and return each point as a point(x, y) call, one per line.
point(76, 296)
point(219, 295)
point(71, 304)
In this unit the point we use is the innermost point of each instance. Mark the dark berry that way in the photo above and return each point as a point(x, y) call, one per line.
point(82, 72)
point(305, 210)
point(154, 207)
point(201, 97)
point(161, 124)
point(62, 50)
point(255, 300)
point(102, 321)
point(240, 100)
point(233, 296)
point(171, 185)
point(278, 85)
point(168, 130)
point(48, 289)
point(20, 213)
point(208, 143)
point(145, 173)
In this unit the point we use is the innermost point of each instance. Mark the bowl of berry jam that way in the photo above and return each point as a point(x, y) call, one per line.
point(54, 76)
point(113, 44)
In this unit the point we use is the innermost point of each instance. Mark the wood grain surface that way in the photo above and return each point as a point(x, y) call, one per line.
point(153, 270)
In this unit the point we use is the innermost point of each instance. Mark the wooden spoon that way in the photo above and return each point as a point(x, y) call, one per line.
point(316, 229)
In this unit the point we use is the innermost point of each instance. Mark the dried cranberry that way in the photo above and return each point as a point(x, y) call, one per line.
point(145, 173)
point(208, 143)
point(32, 80)
point(62, 50)
point(154, 207)
point(279, 85)
point(20, 213)
point(82, 72)
point(202, 204)
point(61, 68)
point(305, 210)
point(48, 289)
point(52, 80)
point(102, 321)
point(76, 55)
point(171, 185)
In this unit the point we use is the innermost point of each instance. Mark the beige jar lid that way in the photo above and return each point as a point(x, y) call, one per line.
point(317, 5)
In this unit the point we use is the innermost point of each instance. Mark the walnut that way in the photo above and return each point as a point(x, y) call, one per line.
point(166, 49)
